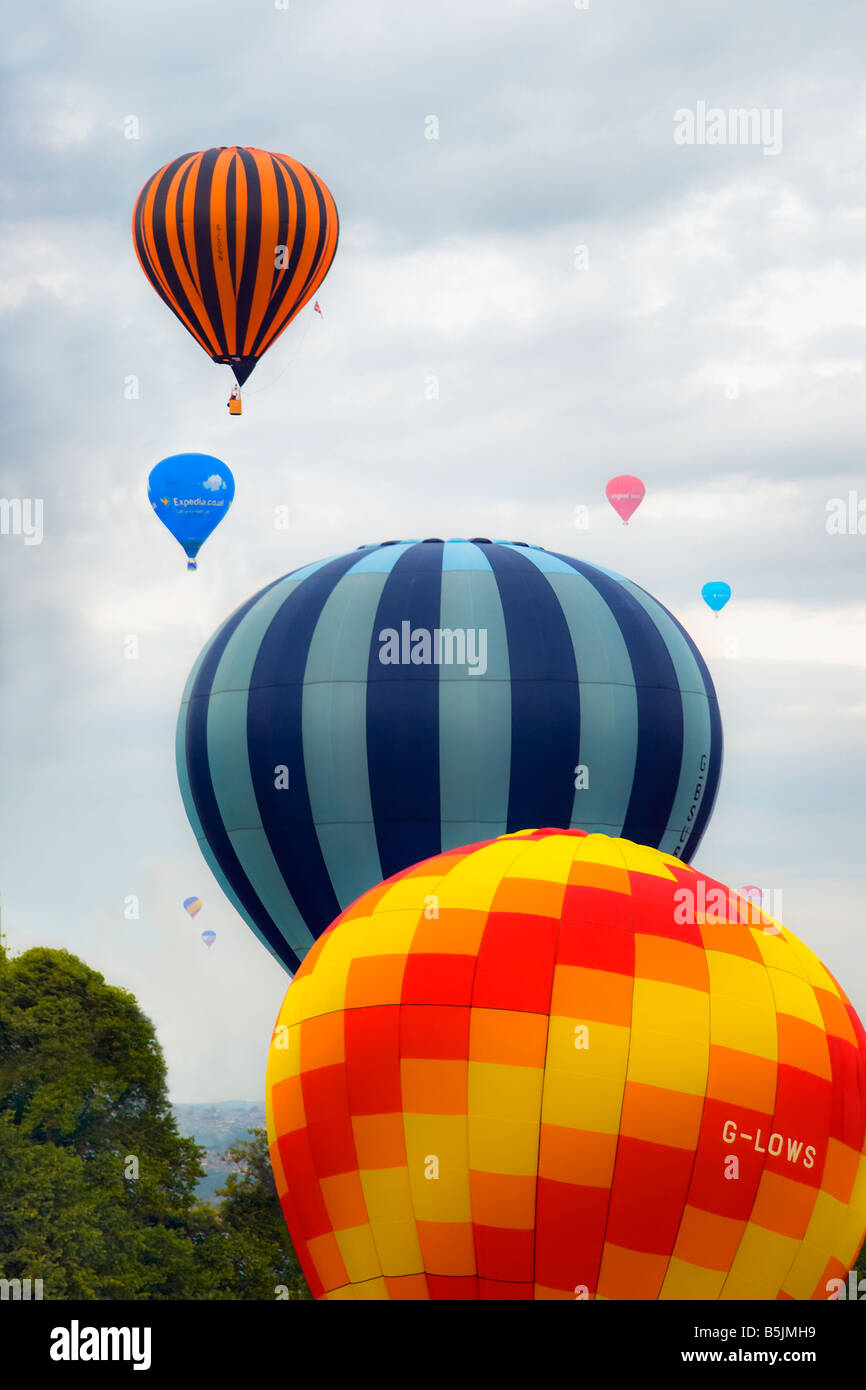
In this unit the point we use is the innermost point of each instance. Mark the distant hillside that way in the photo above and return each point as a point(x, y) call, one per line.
point(216, 1127)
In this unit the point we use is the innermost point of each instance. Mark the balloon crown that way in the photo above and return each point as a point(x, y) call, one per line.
point(452, 540)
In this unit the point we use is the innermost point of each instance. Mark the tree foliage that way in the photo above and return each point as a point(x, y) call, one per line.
point(97, 1187)
point(251, 1213)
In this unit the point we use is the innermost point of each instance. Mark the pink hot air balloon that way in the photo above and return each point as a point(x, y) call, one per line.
point(625, 495)
point(753, 893)
point(755, 898)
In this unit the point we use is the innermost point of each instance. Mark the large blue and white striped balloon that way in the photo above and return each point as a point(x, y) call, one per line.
point(369, 711)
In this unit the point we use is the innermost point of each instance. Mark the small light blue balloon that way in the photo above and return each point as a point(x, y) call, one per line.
point(716, 594)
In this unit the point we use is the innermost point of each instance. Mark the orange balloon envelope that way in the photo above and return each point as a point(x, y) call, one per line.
point(559, 1065)
point(625, 495)
point(235, 241)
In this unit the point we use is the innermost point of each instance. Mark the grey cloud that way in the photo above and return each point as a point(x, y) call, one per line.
point(456, 260)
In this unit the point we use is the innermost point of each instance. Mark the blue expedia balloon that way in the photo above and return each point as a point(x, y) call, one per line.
point(190, 494)
point(372, 710)
point(716, 594)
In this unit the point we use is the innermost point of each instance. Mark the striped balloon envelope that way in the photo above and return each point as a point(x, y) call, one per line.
point(235, 241)
point(368, 711)
point(559, 1066)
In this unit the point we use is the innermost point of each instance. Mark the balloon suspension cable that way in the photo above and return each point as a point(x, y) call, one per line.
point(268, 384)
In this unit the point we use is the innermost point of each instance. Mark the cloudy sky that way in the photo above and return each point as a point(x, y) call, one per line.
point(590, 296)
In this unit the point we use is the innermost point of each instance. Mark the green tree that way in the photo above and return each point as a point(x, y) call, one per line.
point(97, 1187)
point(250, 1212)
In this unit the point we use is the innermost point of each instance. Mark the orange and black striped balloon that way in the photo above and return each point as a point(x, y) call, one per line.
point(235, 241)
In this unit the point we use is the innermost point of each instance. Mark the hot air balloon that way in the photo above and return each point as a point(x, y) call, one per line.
point(754, 894)
point(190, 494)
point(368, 711)
point(192, 905)
point(716, 594)
point(538, 1090)
point(208, 937)
point(235, 241)
point(625, 495)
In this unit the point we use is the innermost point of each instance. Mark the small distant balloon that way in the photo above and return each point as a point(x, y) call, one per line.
point(625, 495)
point(754, 895)
point(716, 594)
point(190, 494)
point(192, 905)
point(208, 937)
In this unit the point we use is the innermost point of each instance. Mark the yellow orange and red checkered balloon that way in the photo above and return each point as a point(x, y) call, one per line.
point(558, 1065)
